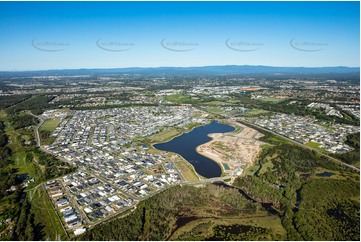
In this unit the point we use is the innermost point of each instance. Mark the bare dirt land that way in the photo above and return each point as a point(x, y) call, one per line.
point(233, 151)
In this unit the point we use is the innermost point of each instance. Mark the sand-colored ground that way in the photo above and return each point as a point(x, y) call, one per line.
point(237, 149)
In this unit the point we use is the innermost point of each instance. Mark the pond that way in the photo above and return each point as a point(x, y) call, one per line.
point(325, 174)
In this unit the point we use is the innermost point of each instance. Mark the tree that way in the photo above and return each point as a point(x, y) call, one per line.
point(29, 231)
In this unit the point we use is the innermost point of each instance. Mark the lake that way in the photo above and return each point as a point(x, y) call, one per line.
point(186, 144)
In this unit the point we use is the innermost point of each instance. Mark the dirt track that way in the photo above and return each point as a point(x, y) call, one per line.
point(233, 149)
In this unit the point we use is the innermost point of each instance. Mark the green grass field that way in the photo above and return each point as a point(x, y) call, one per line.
point(325, 125)
point(316, 145)
point(250, 170)
point(272, 99)
point(278, 140)
point(177, 98)
point(265, 166)
point(191, 126)
point(186, 169)
point(213, 103)
point(50, 124)
point(169, 133)
point(163, 135)
point(3, 114)
point(313, 144)
point(46, 215)
point(24, 166)
point(255, 112)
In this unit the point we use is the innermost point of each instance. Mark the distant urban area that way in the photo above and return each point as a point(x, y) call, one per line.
point(80, 151)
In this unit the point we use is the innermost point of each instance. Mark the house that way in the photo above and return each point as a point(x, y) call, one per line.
point(57, 195)
point(12, 189)
point(68, 214)
point(62, 202)
point(79, 231)
point(88, 210)
point(70, 218)
point(74, 223)
point(66, 209)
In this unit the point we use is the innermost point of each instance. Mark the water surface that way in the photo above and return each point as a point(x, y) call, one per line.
point(186, 144)
point(325, 174)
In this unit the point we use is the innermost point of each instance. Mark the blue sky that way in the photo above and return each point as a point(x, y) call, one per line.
point(64, 35)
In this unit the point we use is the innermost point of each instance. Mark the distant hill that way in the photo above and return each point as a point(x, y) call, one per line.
point(203, 70)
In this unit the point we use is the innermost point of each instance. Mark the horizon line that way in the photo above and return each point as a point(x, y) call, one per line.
point(155, 67)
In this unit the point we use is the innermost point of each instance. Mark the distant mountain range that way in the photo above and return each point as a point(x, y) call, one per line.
point(247, 70)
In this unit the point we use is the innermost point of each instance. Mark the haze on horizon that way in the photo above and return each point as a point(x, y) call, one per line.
point(72, 35)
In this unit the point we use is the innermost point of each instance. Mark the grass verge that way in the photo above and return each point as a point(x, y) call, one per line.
point(45, 215)
point(186, 169)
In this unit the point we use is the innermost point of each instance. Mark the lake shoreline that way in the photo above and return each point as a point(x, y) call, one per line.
point(243, 145)
point(186, 146)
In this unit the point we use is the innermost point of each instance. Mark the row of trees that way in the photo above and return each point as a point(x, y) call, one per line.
point(353, 156)
point(8, 178)
point(53, 167)
point(45, 137)
point(22, 121)
point(7, 101)
point(5, 152)
point(238, 232)
point(47, 167)
point(299, 108)
point(25, 227)
point(36, 105)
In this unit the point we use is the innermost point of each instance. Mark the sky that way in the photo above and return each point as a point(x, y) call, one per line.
point(71, 35)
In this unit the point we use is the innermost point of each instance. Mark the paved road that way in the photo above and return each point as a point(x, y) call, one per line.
point(304, 146)
point(180, 173)
point(353, 168)
point(80, 211)
point(36, 128)
point(19, 103)
point(205, 181)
